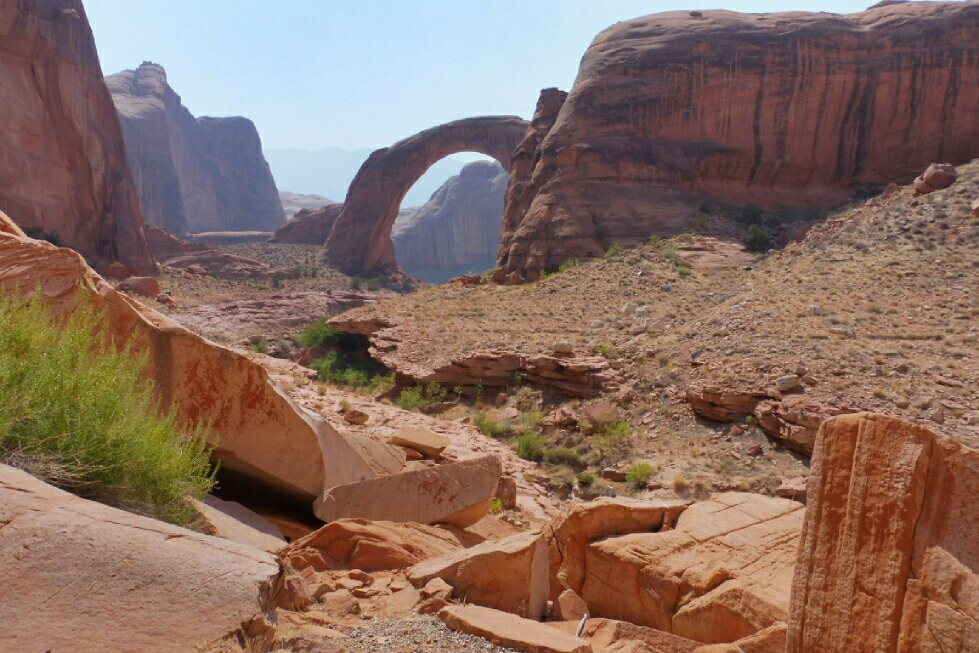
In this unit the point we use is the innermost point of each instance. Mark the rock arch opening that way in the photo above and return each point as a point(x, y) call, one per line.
point(360, 241)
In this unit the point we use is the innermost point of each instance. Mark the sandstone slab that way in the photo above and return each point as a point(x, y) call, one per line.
point(509, 574)
point(425, 442)
point(612, 636)
point(235, 522)
point(510, 630)
point(458, 493)
point(81, 576)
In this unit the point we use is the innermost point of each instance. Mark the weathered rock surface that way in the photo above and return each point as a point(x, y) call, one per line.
point(258, 430)
point(425, 442)
point(370, 545)
point(779, 110)
point(889, 555)
point(510, 630)
point(235, 522)
point(360, 242)
point(164, 245)
point(82, 576)
point(509, 574)
point(193, 174)
point(623, 637)
point(458, 229)
point(215, 263)
point(63, 172)
point(308, 226)
point(723, 573)
point(457, 493)
point(293, 203)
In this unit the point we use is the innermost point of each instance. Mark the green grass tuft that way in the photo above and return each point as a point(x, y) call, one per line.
point(638, 475)
point(530, 447)
point(78, 415)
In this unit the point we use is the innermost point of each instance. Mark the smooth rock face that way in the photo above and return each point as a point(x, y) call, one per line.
point(193, 174)
point(623, 637)
point(780, 110)
point(370, 545)
point(457, 493)
point(63, 171)
point(235, 522)
point(508, 574)
point(258, 430)
point(81, 576)
point(360, 242)
point(510, 630)
point(458, 229)
point(308, 226)
point(723, 573)
point(889, 557)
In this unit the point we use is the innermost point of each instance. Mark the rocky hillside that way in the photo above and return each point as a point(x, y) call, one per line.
point(63, 173)
point(675, 113)
point(193, 174)
point(458, 230)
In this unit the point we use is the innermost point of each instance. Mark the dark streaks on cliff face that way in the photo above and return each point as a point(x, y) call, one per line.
point(756, 126)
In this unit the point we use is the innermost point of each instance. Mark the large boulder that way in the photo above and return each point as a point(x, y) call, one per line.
point(509, 574)
point(674, 109)
point(63, 172)
point(370, 545)
point(308, 226)
point(889, 555)
point(623, 637)
point(722, 573)
point(256, 429)
point(458, 493)
point(194, 174)
point(81, 576)
point(511, 631)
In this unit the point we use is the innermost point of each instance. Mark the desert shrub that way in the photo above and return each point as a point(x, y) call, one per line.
point(319, 334)
point(529, 447)
point(757, 240)
point(420, 398)
point(680, 483)
point(497, 506)
point(78, 415)
point(683, 271)
point(348, 371)
point(586, 480)
point(613, 250)
point(567, 265)
point(487, 425)
point(750, 214)
point(563, 456)
point(607, 350)
point(611, 440)
point(531, 420)
point(355, 283)
point(638, 475)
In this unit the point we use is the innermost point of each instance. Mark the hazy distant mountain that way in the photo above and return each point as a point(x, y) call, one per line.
point(292, 203)
point(329, 171)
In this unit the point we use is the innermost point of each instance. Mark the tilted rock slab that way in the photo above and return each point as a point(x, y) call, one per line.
point(723, 573)
point(63, 171)
point(890, 547)
point(256, 428)
point(235, 522)
point(458, 493)
point(509, 574)
point(81, 576)
point(790, 109)
point(510, 630)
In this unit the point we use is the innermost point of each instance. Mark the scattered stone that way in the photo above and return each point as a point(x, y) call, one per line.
point(793, 488)
point(788, 383)
point(428, 443)
point(600, 413)
point(563, 348)
point(354, 416)
point(613, 474)
point(506, 492)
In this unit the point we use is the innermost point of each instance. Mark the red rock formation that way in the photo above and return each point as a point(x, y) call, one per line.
point(164, 245)
point(63, 172)
point(308, 226)
point(193, 174)
point(360, 242)
point(780, 110)
point(889, 557)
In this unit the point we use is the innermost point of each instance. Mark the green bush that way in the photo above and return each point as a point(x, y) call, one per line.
point(757, 240)
point(638, 475)
point(319, 334)
point(421, 398)
point(613, 250)
point(366, 373)
point(487, 425)
point(586, 480)
point(78, 416)
point(563, 456)
point(529, 447)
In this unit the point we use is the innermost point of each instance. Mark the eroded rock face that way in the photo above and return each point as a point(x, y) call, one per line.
point(360, 242)
point(723, 573)
point(193, 174)
point(458, 229)
point(82, 576)
point(308, 226)
point(510, 630)
point(889, 557)
point(258, 430)
point(780, 110)
point(63, 172)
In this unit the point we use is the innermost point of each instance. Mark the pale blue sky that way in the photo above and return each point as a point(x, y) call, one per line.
point(365, 73)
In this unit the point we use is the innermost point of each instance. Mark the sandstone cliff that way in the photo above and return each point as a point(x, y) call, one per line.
point(63, 172)
point(193, 174)
point(780, 110)
point(458, 229)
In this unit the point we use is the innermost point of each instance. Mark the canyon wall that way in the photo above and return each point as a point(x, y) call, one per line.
point(193, 174)
point(63, 170)
point(458, 229)
point(789, 110)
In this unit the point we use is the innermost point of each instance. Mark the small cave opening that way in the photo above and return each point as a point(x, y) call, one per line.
point(291, 513)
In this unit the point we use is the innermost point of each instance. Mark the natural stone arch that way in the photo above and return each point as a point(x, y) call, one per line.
point(360, 242)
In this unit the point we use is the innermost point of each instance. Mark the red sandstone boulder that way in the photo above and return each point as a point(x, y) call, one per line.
point(723, 573)
point(145, 286)
point(888, 558)
point(81, 576)
point(308, 226)
point(423, 441)
point(457, 493)
point(611, 636)
point(935, 177)
point(511, 631)
point(509, 574)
